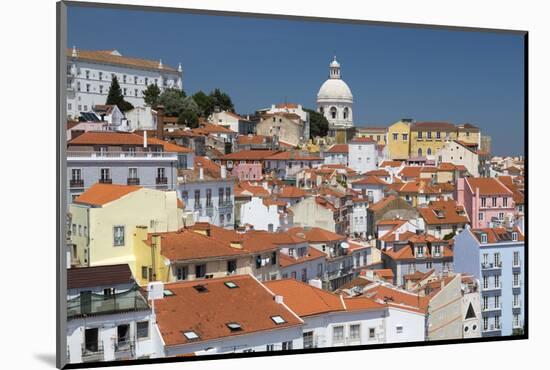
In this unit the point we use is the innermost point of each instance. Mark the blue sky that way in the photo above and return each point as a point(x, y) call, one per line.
point(393, 72)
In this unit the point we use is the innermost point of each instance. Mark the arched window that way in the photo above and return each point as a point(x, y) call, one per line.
point(346, 111)
point(429, 151)
point(333, 112)
point(321, 110)
point(420, 152)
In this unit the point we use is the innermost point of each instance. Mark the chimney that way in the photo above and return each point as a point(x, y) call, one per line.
point(160, 122)
point(223, 172)
point(278, 299)
point(145, 139)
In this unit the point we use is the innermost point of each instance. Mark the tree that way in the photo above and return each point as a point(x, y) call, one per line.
point(151, 95)
point(172, 100)
point(318, 124)
point(115, 97)
point(222, 100)
point(189, 104)
point(188, 118)
point(205, 104)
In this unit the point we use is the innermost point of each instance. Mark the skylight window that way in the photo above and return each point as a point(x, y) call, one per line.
point(190, 335)
point(167, 293)
point(234, 326)
point(231, 285)
point(200, 288)
point(278, 320)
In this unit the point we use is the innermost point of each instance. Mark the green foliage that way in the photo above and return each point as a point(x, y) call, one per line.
point(115, 97)
point(449, 236)
point(188, 118)
point(151, 95)
point(189, 104)
point(205, 104)
point(318, 124)
point(222, 100)
point(172, 100)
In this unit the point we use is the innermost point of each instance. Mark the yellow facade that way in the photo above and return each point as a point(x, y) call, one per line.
point(428, 142)
point(375, 133)
point(399, 140)
point(473, 137)
point(154, 209)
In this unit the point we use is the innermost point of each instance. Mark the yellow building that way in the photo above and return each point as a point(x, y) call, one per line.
point(427, 138)
point(104, 219)
point(469, 133)
point(375, 133)
point(399, 140)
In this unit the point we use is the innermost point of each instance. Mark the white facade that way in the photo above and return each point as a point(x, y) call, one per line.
point(359, 219)
point(88, 79)
point(405, 325)
point(261, 216)
point(363, 156)
point(457, 154)
point(336, 158)
point(141, 118)
point(335, 100)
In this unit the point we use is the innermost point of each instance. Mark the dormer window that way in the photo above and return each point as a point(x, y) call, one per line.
point(420, 251)
point(190, 335)
point(484, 238)
point(437, 250)
point(514, 236)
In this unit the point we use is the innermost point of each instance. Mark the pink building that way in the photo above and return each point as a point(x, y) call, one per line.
point(486, 201)
point(248, 171)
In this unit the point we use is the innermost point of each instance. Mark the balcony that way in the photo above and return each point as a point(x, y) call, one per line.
point(105, 181)
point(76, 183)
point(209, 210)
point(120, 155)
point(492, 308)
point(226, 207)
point(133, 181)
point(98, 304)
point(124, 348)
point(491, 265)
point(93, 353)
point(161, 180)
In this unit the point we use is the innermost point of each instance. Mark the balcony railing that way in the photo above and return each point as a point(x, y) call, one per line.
point(105, 181)
point(121, 155)
point(491, 265)
point(124, 346)
point(133, 181)
point(161, 180)
point(76, 183)
point(92, 353)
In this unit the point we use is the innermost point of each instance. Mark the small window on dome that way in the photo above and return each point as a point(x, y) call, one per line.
point(346, 111)
point(333, 112)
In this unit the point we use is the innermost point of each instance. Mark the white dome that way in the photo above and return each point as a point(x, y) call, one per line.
point(335, 89)
point(334, 63)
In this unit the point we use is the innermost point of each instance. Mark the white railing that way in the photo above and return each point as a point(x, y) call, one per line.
point(123, 155)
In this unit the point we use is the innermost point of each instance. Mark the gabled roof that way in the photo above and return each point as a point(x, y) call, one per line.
point(498, 234)
point(388, 163)
point(97, 276)
point(316, 234)
point(291, 192)
point(370, 180)
point(244, 188)
point(123, 138)
point(379, 172)
point(338, 148)
point(362, 140)
point(410, 171)
point(374, 207)
point(398, 298)
point(101, 194)
point(312, 254)
point(112, 57)
point(250, 305)
point(487, 186)
point(443, 212)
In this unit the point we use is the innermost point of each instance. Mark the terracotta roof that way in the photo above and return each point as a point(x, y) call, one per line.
point(410, 171)
point(374, 207)
point(291, 192)
point(180, 204)
point(498, 234)
point(406, 252)
point(338, 148)
point(444, 212)
point(390, 236)
point(96, 276)
point(487, 186)
point(210, 167)
point(391, 164)
point(210, 128)
point(252, 139)
point(106, 56)
point(243, 187)
point(287, 105)
point(446, 166)
point(250, 305)
point(101, 194)
point(418, 187)
point(362, 140)
point(398, 298)
point(370, 180)
point(420, 126)
point(322, 201)
point(249, 155)
point(312, 254)
point(518, 196)
point(384, 273)
point(291, 155)
point(316, 234)
point(123, 138)
point(380, 172)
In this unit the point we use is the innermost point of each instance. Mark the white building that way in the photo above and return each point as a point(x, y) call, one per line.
point(458, 154)
point(89, 75)
point(363, 155)
point(291, 108)
point(266, 214)
point(142, 118)
point(358, 220)
point(337, 154)
point(334, 99)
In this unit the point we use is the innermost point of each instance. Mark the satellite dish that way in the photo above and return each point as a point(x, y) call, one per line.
point(344, 245)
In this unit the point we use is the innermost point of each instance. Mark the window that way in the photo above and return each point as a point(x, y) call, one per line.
point(105, 175)
point(78, 88)
point(87, 74)
point(287, 345)
point(293, 274)
point(405, 137)
point(338, 334)
point(516, 300)
point(86, 108)
point(483, 202)
point(355, 332)
point(118, 236)
point(429, 134)
point(485, 303)
point(438, 135)
point(346, 112)
point(274, 258)
point(399, 329)
point(372, 333)
point(87, 89)
point(496, 257)
point(100, 75)
point(142, 329)
point(181, 273)
point(505, 201)
point(419, 251)
point(420, 152)
point(516, 279)
point(428, 265)
point(124, 80)
point(319, 269)
point(496, 281)
point(69, 106)
point(429, 151)
point(200, 271)
point(483, 236)
point(125, 91)
point(136, 92)
point(230, 285)
point(516, 258)
point(485, 323)
point(516, 321)
point(135, 80)
point(146, 81)
point(395, 136)
point(197, 199)
point(333, 112)
point(132, 173)
point(485, 282)
point(76, 174)
point(220, 196)
point(209, 197)
point(227, 195)
point(437, 249)
point(222, 220)
point(501, 216)
point(307, 337)
point(269, 347)
point(304, 275)
point(497, 322)
point(496, 301)
point(420, 135)
point(494, 201)
point(144, 272)
point(278, 320)
point(191, 335)
point(101, 89)
point(231, 266)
